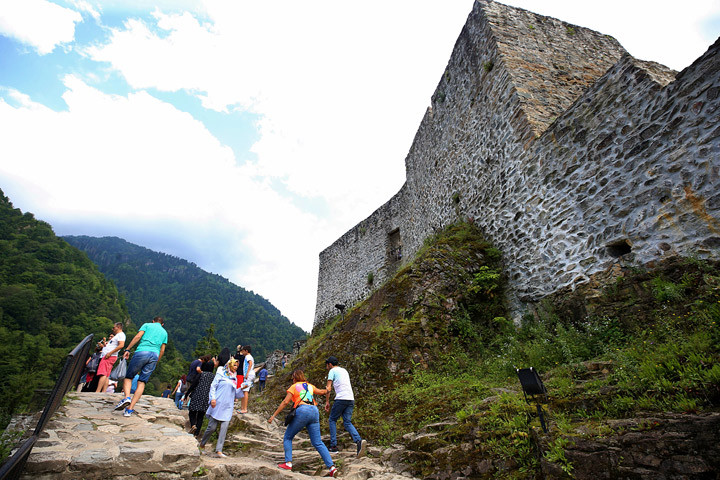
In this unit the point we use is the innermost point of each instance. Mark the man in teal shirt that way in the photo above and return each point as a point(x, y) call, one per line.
point(150, 340)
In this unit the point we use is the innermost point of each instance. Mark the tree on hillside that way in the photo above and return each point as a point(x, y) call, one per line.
point(207, 345)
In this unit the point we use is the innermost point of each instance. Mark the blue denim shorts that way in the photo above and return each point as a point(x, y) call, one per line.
point(143, 363)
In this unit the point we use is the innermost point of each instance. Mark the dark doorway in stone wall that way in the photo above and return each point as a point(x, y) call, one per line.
point(394, 247)
point(619, 248)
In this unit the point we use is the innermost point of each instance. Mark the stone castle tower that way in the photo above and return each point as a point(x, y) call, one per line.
point(569, 153)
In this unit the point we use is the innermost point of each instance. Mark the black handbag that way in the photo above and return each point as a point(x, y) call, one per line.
point(289, 417)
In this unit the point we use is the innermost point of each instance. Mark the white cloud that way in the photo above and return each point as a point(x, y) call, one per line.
point(86, 7)
point(140, 7)
point(135, 159)
point(329, 79)
point(38, 23)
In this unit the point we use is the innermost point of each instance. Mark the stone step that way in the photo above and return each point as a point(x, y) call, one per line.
point(88, 439)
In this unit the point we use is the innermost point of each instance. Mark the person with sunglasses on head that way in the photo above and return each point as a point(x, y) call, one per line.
point(109, 356)
point(223, 392)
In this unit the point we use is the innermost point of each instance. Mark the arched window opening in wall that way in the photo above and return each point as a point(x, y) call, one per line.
point(619, 248)
point(394, 253)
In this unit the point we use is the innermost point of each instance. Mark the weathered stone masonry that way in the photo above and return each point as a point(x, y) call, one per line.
point(568, 152)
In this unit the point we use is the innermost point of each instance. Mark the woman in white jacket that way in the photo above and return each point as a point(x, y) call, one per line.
point(223, 393)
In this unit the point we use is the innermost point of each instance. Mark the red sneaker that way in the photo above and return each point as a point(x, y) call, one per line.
point(332, 472)
point(284, 466)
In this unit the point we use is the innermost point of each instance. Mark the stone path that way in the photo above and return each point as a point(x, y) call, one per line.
point(87, 439)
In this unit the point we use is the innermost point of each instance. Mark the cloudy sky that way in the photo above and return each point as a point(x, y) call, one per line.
point(246, 136)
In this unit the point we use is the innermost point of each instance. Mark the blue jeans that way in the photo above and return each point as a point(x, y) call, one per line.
point(306, 416)
point(344, 409)
point(143, 363)
point(178, 399)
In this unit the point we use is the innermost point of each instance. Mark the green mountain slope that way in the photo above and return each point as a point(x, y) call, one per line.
point(51, 297)
point(189, 298)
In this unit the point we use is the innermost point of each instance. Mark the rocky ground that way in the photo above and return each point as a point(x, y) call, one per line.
point(87, 439)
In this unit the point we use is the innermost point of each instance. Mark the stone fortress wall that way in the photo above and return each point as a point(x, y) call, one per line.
point(569, 153)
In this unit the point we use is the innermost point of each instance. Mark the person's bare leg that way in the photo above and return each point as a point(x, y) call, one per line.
point(127, 386)
point(103, 384)
point(244, 402)
point(136, 396)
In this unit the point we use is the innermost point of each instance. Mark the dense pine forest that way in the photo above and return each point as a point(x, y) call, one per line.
point(51, 297)
point(190, 299)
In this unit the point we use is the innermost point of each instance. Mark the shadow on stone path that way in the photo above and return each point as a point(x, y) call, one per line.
point(88, 439)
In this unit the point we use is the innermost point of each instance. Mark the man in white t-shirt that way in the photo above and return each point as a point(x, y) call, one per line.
point(343, 405)
point(109, 356)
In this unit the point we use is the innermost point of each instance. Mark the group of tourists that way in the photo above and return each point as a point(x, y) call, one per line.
point(99, 365)
point(305, 413)
point(210, 394)
point(213, 394)
point(101, 369)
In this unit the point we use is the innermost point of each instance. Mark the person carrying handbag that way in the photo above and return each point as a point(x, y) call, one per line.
point(109, 356)
point(302, 395)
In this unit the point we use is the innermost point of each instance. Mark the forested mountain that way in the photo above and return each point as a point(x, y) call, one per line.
point(189, 298)
point(51, 297)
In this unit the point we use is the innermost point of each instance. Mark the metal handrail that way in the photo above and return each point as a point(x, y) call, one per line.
point(69, 376)
point(12, 469)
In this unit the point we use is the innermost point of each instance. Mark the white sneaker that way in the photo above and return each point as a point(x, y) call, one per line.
point(361, 448)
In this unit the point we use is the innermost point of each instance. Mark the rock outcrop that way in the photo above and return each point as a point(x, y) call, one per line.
point(660, 446)
point(273, 363)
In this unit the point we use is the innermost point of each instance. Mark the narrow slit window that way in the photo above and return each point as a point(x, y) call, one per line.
point(395, 246)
